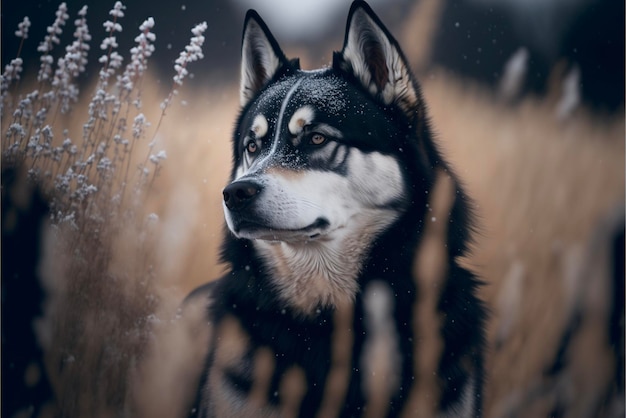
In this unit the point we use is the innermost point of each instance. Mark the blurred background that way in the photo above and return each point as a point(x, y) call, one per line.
point(472, 38)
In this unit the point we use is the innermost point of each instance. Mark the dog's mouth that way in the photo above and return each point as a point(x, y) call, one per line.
point(254, 230)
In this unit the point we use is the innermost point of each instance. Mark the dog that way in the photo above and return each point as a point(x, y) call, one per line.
point(342, 217)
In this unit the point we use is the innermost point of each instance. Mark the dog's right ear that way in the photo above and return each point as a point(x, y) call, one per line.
point(373, 57)
point(261, 57)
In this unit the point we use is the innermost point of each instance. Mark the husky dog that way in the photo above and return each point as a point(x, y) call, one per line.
point(343, 222)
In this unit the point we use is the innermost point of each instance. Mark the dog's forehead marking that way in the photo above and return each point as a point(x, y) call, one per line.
point(281, 113)
point(301, 117)
point(259, 126)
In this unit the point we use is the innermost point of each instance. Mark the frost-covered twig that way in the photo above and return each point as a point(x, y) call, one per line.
point(72, 64)
point(111, 61)
point(102, 101)
point(92, 173)
point(139, 59)
point(191, 53)
point(45, 47)
point(13, 70)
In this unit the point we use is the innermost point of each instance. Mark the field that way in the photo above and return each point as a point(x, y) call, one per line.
point(548, 194)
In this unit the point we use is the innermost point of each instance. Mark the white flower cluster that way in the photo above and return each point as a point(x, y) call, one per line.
point(72, 64)
point(158, 157)
point(139, 126)
point(13, 70)
point(80, 46)
point(111, 60)
point(22, 28)
point(192, 52)
point(113, 26)
point(40, 144)
point(11, 73)
point(139, 55)
point(99, 106)
point(50, 39)
point(88, 178)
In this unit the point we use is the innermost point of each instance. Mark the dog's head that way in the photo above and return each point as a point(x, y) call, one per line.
point(319, 154)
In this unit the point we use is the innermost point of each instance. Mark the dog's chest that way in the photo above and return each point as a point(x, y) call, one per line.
point(312, 275)
point(272, 351)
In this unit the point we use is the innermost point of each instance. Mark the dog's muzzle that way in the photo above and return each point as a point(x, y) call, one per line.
point(247, 219)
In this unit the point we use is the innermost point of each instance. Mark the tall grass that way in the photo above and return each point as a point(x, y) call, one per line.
point(99, 264)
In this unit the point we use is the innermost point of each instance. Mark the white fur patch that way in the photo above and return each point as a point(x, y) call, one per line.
point(380, 359)
point(377, 177)
point(323, 272)
point(240, 171)
point(464, 407)
point(301, 118)
point(259, 126)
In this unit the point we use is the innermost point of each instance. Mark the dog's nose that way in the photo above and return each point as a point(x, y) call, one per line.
point(238, 194)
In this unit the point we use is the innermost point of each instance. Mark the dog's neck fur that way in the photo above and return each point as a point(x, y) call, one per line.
point(323, 273)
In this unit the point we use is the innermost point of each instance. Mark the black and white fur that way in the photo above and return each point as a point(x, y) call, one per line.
point(329, 201)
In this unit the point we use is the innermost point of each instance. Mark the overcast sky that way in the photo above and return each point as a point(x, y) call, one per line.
point(302, 18)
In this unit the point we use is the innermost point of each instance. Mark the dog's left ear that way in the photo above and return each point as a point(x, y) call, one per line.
point(373, 57)
point(261, 57)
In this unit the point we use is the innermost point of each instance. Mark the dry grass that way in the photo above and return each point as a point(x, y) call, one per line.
point(541, 188)
point(188, 193)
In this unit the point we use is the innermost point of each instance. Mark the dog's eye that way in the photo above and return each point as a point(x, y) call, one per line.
point(252, 147)
point(317, 139)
